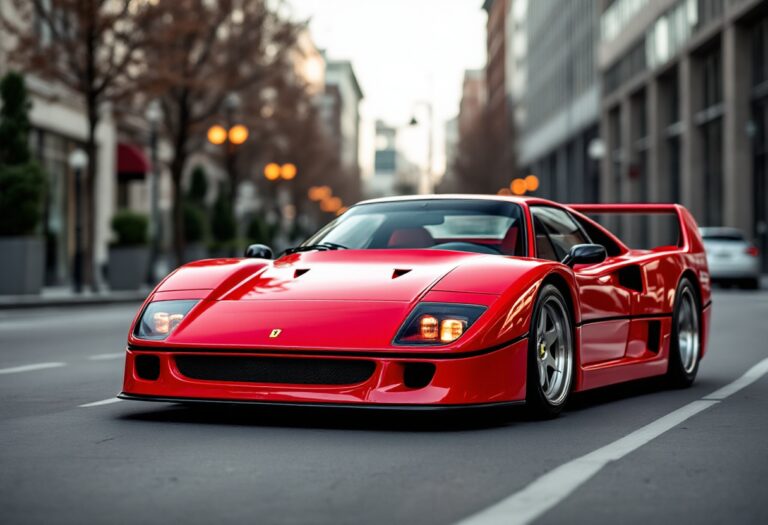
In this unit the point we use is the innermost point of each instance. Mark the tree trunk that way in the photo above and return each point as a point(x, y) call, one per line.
point(90, 267)
point(177, 172)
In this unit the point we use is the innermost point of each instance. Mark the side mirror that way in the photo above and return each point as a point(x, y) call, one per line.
point(585, 254)
point(259, 251)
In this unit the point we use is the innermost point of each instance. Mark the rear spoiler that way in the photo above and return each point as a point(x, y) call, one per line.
point(689, 238)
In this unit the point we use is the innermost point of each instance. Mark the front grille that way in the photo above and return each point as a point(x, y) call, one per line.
point(279, 370)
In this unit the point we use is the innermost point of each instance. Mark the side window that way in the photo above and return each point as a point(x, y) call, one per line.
point(561, 230)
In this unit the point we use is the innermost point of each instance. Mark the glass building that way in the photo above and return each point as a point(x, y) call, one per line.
point(683, 109)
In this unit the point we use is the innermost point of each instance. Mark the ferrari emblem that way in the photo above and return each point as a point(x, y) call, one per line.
point(274, 333)
point(542, 350)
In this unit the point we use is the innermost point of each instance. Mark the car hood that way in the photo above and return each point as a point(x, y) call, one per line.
point(346, 299)
point(348, 275)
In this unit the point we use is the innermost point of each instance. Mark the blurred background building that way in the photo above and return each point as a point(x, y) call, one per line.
point(500, 122)
point(685, 87)
point(343, 96)
point(383, 180)
point(624, 101)
point(555, 90)
point(308, 119)
point(59, 125)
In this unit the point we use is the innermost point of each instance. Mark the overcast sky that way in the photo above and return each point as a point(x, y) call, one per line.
point(402, 51)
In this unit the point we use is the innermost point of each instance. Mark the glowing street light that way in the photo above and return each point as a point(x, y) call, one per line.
point(272, 171)
point(238, 134)
point(531, 182)
point(331, 204)
point(217, 135)
point(518, 187)
point(288, 171)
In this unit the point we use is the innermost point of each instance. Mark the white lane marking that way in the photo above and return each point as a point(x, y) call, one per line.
point(100, 403)
point(751, 375)
point(104, 357)
point(553, 487)
point(30, 368)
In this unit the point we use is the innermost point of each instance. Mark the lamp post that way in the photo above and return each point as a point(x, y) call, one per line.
point(426, 184)
point(154, 115)
point(78, 160)
point(230, 137)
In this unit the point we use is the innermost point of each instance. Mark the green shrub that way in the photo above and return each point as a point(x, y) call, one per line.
point(22, 181)
point(22, 192)
point(14, 120)
point(259, 232)
point(130, 228)
point(194, 223)
point(223, 224)
point(198, 187)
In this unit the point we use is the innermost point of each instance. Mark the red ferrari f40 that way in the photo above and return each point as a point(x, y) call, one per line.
point(430, 302)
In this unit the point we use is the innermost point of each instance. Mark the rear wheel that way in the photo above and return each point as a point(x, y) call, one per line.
point(550, 354)
point(750, 283)
point(685, 344)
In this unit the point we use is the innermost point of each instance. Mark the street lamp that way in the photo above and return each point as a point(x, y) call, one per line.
point(154, 115)
point(231, 136)
point(78, 161)
point(426, 183)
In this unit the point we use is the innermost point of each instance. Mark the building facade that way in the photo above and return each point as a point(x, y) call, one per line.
point(342, 99)
point(684, 112)
point(555, 90)
point(59, 126)
point(497, 104)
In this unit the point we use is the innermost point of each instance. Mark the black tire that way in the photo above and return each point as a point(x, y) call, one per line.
point(684, 358)
point(542, 401)
point(751, 283)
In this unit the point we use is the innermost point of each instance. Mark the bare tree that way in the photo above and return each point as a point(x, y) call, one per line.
point(92, 47)
point(476, 161)
point(201, 52)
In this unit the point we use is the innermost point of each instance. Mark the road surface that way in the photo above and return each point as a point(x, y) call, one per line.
point(71, 453)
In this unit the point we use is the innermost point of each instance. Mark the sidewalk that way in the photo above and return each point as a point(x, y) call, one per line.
point(66, 297)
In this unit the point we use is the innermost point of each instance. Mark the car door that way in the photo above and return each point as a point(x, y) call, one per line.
point(604, 305)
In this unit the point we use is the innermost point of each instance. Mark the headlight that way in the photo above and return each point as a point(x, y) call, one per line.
point(437, 323)
point(161, 318)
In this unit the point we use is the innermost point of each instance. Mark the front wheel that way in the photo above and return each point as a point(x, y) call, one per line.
point(685, 344)
point(550, 354)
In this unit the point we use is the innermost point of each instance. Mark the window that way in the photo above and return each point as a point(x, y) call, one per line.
point(556, 233)
point(468, 225)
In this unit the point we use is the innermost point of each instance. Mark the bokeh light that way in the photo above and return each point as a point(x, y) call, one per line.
point(238, 134)
point(217, 135)
point(289, 171)
point(272, 171)
point(331, 204)
point(518, 187)
point(531, 182)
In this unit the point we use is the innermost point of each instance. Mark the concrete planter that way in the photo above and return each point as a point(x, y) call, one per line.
point(21, 265)
point(195, 251)
point(128, 267)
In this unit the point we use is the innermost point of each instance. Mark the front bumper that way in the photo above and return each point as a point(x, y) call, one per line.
point(492, 377)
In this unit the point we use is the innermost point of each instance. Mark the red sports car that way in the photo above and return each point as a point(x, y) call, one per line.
point(427, 303)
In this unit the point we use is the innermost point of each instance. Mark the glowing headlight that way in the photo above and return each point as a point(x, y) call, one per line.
point(437, 323)
point(161, 318)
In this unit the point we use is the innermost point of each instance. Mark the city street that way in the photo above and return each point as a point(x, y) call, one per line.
point(71, 453)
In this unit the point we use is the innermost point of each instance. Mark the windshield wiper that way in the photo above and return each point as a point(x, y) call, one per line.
point(323, 246)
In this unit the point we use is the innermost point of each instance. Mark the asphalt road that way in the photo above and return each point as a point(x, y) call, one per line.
point(64, 459)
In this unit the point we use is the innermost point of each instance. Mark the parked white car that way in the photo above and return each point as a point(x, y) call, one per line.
point(731, 257)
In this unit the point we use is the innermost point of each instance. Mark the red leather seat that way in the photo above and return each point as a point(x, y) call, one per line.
point(508, 244)
point(417, 237)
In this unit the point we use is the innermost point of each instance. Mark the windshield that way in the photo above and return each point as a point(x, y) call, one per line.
point(481, 226)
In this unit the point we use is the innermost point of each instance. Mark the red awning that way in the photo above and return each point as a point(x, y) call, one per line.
point(131, 162)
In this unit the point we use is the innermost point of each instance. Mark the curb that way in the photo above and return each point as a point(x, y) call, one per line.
point(22, 302)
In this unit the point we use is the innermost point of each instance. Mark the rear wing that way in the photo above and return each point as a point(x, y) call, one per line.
point(689, 239)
